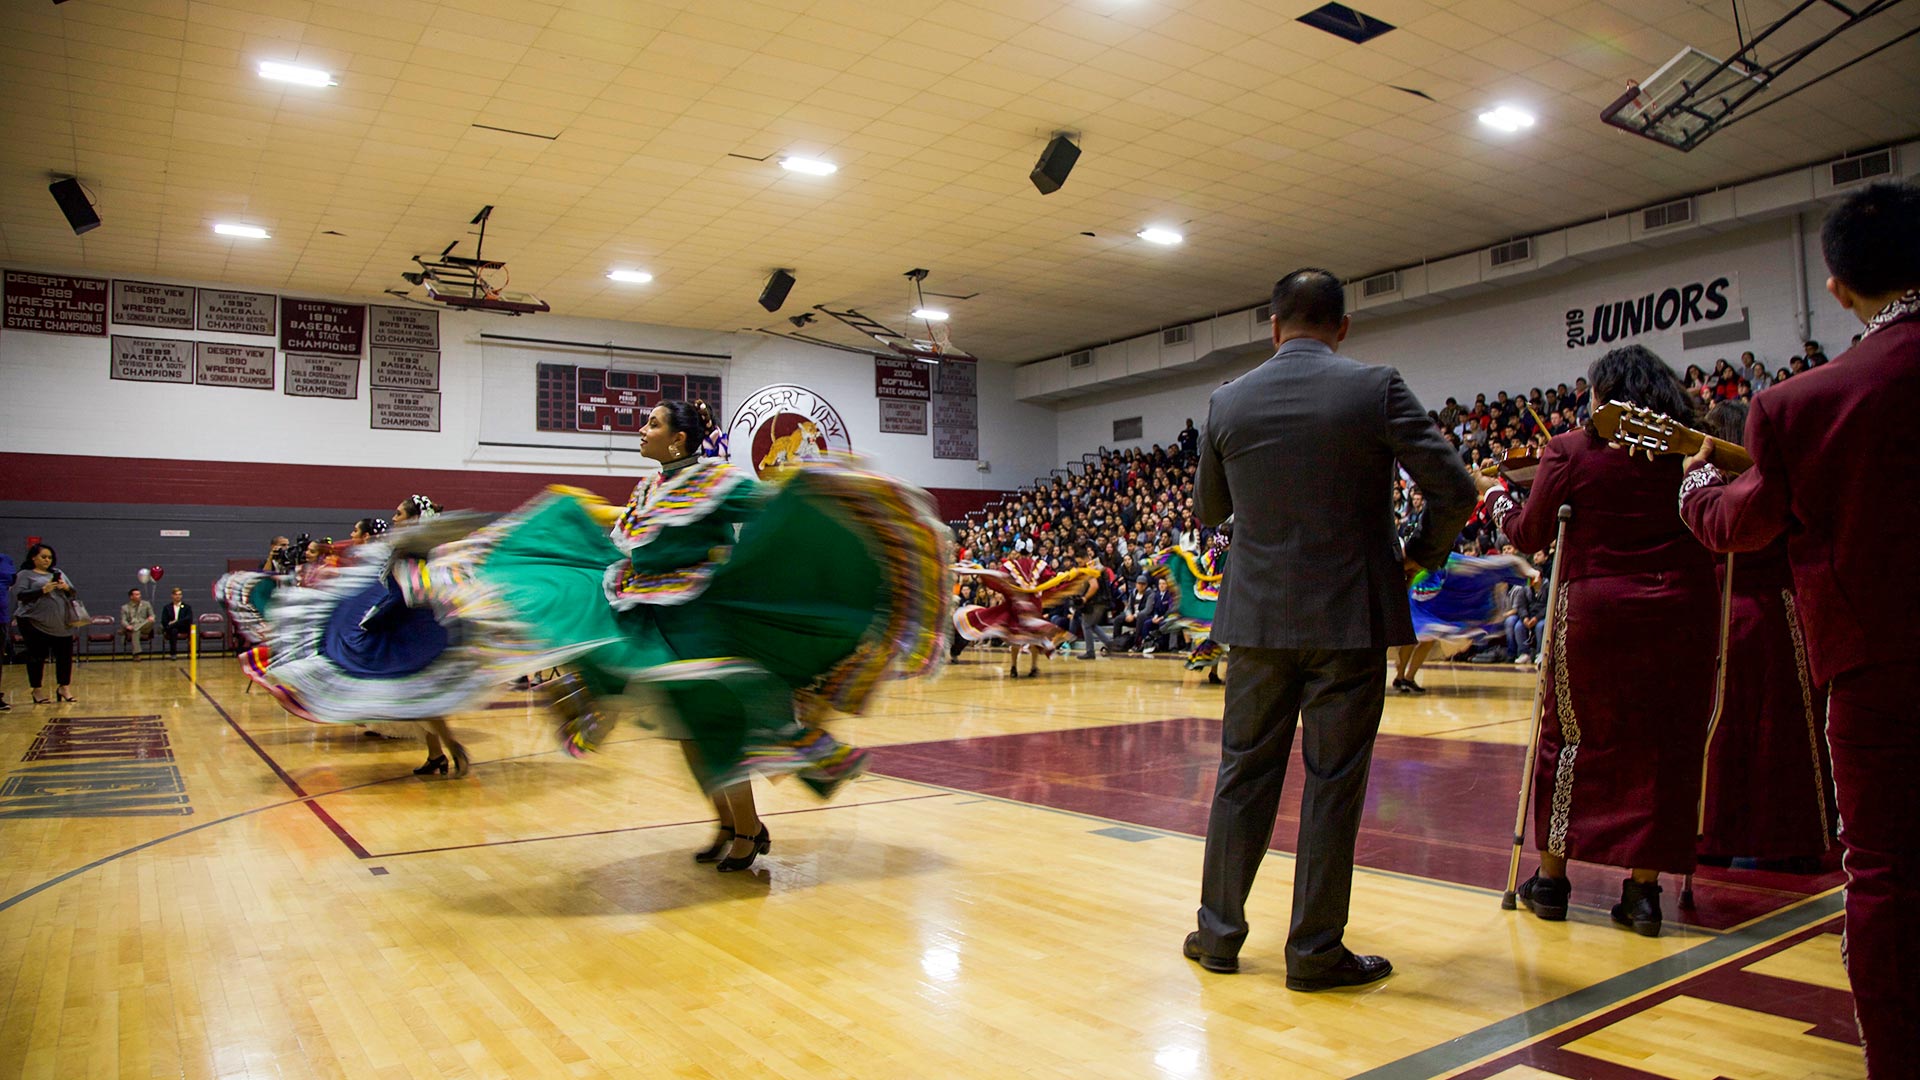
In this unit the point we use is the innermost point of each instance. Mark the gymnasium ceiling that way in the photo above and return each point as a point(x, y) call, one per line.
point(1270, 144)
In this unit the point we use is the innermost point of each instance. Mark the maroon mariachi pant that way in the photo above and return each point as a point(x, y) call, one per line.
point(1875, 738)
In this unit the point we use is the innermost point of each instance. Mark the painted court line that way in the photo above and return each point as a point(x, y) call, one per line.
point(338, 830)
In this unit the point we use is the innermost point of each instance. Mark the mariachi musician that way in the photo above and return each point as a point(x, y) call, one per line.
point(1769, 787)
point(1631, 667)
point(1824, 446)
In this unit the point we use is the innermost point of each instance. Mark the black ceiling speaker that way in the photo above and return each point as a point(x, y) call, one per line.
point(778, 286)
point(1056, 161)
point(73, 203)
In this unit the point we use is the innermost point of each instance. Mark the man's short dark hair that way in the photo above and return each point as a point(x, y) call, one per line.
point(1872, 239)
point(1309, 297)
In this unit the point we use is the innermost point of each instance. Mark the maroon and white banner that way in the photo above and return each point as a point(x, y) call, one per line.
point(404, 410)
point(405, 369)
point(247, 366)
point(147, 303)
point(322, 376)
point(322, 327)
point(902, 417)
point(227, 312)
point(53, 304)
point(167, 360)
point(902, 379)
point(404, 327)
point(956, 410)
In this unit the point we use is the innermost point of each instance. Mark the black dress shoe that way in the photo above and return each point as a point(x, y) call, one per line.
point(1546, 896)
point(1352, 970)
point(1219, 965)
point(1639, 907)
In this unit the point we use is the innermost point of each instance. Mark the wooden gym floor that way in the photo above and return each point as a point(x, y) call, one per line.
point(197, 885)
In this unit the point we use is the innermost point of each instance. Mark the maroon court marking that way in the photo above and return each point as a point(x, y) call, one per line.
point(1440, 809)
point(339, 831)
point(1828, 1013)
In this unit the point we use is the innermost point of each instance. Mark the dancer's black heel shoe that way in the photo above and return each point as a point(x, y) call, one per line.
point(719, 848)
point(762, 843)
point(435, 764)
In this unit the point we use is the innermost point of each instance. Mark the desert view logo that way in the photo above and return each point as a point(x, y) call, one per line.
point(780, 426)
point(1697, 303)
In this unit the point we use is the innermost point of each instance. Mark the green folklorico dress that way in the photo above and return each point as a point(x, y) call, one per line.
point(747, 607)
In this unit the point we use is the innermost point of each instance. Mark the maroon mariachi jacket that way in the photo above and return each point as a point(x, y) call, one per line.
point(1831, 449)
point(1621, 523)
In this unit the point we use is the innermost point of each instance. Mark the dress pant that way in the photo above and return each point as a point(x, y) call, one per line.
point(40, 647)
point(175, 637)
point(1875, 740)
point(1338, 693)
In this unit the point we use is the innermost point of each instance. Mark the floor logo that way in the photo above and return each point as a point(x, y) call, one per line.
point(109, 766)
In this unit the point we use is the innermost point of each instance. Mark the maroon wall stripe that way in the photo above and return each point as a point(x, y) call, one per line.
point(75, 478)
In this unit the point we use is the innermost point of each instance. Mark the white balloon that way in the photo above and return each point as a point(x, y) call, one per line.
point(145, 575)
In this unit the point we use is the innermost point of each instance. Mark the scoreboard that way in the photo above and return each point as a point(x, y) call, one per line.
point(613, 399)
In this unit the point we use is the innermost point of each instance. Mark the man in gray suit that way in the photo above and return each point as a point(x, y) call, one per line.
point(1301, 450)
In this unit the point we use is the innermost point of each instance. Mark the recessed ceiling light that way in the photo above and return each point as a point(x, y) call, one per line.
point(251, 232)
point(1507, 118)
point(637, 277)
point(278, 72)
point(809, 166)
point(927, 314)
point(1154, 234)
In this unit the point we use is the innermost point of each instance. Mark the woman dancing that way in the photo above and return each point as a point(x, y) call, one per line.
point(1456, 607)
point(749, 609)
point(351, 644)
point(1196, 592)
point(1027, 587)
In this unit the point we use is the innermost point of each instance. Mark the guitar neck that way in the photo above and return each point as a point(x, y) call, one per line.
point(1727, 457)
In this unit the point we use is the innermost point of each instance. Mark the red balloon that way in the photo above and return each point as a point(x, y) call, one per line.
point(157, 572)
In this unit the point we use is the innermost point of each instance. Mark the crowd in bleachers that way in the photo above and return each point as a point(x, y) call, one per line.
point(1122, 506)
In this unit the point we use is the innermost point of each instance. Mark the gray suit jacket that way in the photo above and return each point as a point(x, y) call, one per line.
point(1301, 451)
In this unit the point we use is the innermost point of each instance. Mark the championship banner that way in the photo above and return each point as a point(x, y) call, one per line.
point(404, 410)
point(780, 426)
point(322, 376)
point(52, 304)
point(404, 328)
point(167, 360)
point(224, 311)
point(902, 417)
point(321, 327)
point(249, 367)
point(902, 379)
point(956, 410)
point(405, 369)
point(146, 303)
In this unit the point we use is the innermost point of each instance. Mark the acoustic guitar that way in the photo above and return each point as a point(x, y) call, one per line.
point(1518, 465)
point(1641, 429)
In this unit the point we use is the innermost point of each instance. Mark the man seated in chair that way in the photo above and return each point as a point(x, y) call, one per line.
point(136, 622)
point(176, 622)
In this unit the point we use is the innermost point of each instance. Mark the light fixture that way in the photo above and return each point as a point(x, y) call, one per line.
point(1507, 118)
point(302, 76)
point(927, 314)
point(1154, 234)
point(251, 232)
point(809, 166)
point(635, 277)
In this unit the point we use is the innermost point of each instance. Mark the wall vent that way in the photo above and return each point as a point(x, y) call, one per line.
point(1516, 252)
point(1133, 427)
point(1861, 168)
point(1083, 358)
point(1666, 215)
point(1263, 313)
point(1380, 285)
point(1176, 335)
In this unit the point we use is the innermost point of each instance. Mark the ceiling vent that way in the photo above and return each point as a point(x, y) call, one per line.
point(1518, 251)
point(1176, 335)
point(1083, 358)
point(1380, 285)
point(1666, 215)
point(1861, 168)
point(1343, 22)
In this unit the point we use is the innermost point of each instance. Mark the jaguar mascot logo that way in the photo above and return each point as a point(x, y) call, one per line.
point(779, 427)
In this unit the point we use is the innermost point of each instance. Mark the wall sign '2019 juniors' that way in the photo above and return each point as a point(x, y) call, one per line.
point(777, 427)
point(1694, 304)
